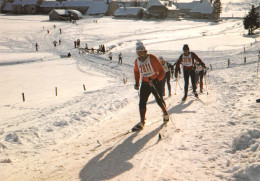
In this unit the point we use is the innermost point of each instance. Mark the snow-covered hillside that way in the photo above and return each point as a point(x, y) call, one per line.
point(75, 135)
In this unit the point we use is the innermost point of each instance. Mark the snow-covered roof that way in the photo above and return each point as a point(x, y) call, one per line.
point(160, 3)
point(24, 2)
point(94, 7)
point(66, 12)
point(97, 7)
point(154, 3)
point(128, 11)
point(173, 7)
point(8, 7)
point(187, 5)
point(60, 11)
point(75, 12)
point(50, 4)
point(205, 7)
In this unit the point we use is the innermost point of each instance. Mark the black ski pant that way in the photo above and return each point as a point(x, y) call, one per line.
point(167, 79)
point(199, 78)
point(145, 92)
point(189, 73)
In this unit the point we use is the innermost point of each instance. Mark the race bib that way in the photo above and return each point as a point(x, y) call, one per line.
point(187, 60)
point(145, 68)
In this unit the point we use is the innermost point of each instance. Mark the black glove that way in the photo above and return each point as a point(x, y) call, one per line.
point(136, 86)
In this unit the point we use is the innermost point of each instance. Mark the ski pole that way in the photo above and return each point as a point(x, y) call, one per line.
point(158, 95)
point(258, 64)
point(176, 85)
point(152, 85)
point(179, 85)
point(206, 84)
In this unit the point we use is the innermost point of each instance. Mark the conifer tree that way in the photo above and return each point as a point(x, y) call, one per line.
point(251, 21)
point(217, 6)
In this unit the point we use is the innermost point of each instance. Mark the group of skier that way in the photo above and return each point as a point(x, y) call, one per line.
point(154, 72)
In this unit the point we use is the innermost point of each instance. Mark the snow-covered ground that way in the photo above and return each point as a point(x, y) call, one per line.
point(73, 136)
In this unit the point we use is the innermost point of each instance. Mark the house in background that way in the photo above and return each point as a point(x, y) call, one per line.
point(26, 6)
point(202, 9)
point(64, 15)
point(161, 9)
point(7, 8)
point(85, 7)
point(130, 12)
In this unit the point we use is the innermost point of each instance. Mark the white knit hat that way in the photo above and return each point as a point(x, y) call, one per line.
point(161, 58)
point(140, 46)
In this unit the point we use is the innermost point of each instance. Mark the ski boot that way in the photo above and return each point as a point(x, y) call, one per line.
point(166, 118)
point(184, 98)
point(196, 94)
point(138, 127)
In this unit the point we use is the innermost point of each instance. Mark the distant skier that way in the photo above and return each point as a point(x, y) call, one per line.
point(149, 68)
point(75, 44)
point(110, 56)
point(120, 57)
point(60, 31)
point(200, 72)
point(36, 46)
point(55, 43)
point(69, 55)
point(104, 49)
point(78, 43)
point(187, 59)
point(167, 67)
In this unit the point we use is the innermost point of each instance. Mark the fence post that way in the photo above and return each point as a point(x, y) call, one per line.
point(56, 91)
point(23, 97)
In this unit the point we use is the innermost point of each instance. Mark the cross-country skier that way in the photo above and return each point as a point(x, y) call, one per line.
point(110, 55)
point(167, 68)
point(187, 59)
point(120, 57)
point(200, 71)
point(150, 70)
point(36, 46)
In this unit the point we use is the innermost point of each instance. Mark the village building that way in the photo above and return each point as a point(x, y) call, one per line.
point(64, 15)
point(130, 12)
point(26, 6)
point(202, 9)
point(161, 9)
point(85, 7)
point(7, 7)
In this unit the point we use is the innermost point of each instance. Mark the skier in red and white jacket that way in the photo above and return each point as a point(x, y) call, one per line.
point(187, 59)
point(148, 68)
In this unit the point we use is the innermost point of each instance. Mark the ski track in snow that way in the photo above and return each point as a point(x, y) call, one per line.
point(210, 145)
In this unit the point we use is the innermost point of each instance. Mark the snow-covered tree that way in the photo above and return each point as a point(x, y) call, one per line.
point(251, 22)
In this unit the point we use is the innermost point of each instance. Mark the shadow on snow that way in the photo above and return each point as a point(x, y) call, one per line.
point(114, 161)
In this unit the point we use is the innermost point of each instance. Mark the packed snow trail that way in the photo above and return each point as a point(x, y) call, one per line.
point(217, 141)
